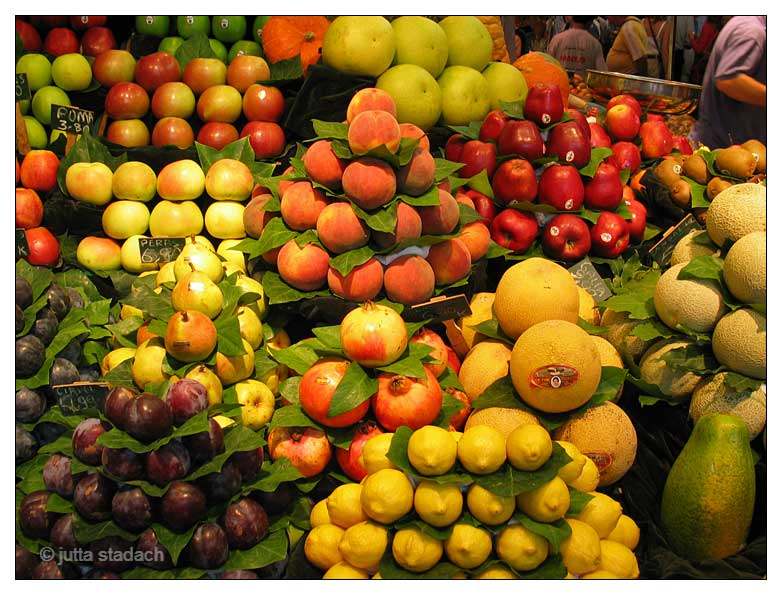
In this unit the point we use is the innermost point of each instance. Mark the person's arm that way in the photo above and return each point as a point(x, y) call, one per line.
point(743, 88)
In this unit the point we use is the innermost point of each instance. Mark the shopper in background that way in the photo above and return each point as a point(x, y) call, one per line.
point(659, 31)
point(631, 50)
point(733, 100)
point(702, 45)
point(576, 48)
point(601, 28)
point(682, 50)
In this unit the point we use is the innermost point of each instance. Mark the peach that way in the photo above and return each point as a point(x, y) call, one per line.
point(323, 166)
point(134, 180)
point(256, 217)
point(409, 280)
point(374, 130)
point(408, 227)
point(417, 176)
point(361, 284)
point(476, 237)
point(285, 184)
point(440, 219)
point(221, 103)
point(368, 182)
point(370, 99)
point(229, 179)
point(304, 268)
point(412, 131)
point(340, 229)
point(98, 254)
point(181, 180)
point(39, 170)
point(450, 261)
point(301, 206)
point(464, 199)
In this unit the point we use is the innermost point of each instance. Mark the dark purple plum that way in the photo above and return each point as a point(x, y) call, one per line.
point(30, 355)
point(28, 405)
point(122, 463)
point(223, 485)
point(72, 353)
point(112, 553)
point(25, 443)
point(57, 475)
point(246, 524)
point(74, 298)
point(58, 301)
point(131, 509)
point(277, 501)
point(34, 519)
point(85, 436)
point(63, 372)
point(205, 446)
point(25, 562)
point(89, 373)
point(248, 462)
point(186, 398)
point(45, 326)
point(115, 405)
point(46, 432)
point(182, 506)
point(239, 575)
point(92, 497)
point(168, 463)
point(19, 320)
point(155, 555)
point(147, 418)
point(209, 546)
point(62, 535)
point(51, 570)
point(24, 293)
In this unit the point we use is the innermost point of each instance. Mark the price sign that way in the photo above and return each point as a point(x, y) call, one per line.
point(160, 250)
point(80, 396)
point(439, 309)
point(22, 248)
point(71, 119)
point(661, 252)
point(586, 276)
point(22, 87)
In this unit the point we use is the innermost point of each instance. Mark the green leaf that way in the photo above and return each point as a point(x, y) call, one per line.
point(552, 568)
point(444, 168)
point(703, 267)
point(275, 234)
point(409, 364)
point(742, 383)
point(702, 238)
point(87, 149)
point(289, 389)
point(491, 329)
point(509, 481)
point(156, 305)
point(272, 549)
point(354, 389)
point(692, 358)
point(652, 329)
point(471, 131)
point(329, 130)
point(390, 571)
point(698, 196)
point(468, 215)
point(555, 533)
point(116, 438)
point(229, 337)
point(173, 542)
point(120, 375)
point(513, 109)
point(638, 306)
point(611, 381)
point(479, 182)
point(329, 337)
point(451, 406)
point(291, 416)
point(239, 150)
point(578, 500)
point(382, 219)
point(272, 475)
point(286, 70)
point(450, 379)
point(280, 292)
point(428, 199)
point(86, 532)
point(591, 328)
point(195, 46)
point(499, 393)
point(58, 504)
point(298, 357)
point(533, 207)
point(598, 155)
point(347, 261)
point(78, 279)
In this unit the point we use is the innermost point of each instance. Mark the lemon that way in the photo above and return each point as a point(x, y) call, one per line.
point(344, 505)
point(600, 574)
point(438, 504)
point(626, 532)
point(319, 515)
point(547, 503)
point(528, 447)
point(520, 548)
point(431, 450)
point(373, 455)
point(573, 469)
point(618, 559)
point(498, 571)
point(468, 546)
point(581, 551)
point(343, 570)
point(481, 449)
point(601, 513)
point(322, 546)
point(589, 478)
point(363, 545)
point(416, 551)
point(456, 436)
point(387, 496)
point(487, 507)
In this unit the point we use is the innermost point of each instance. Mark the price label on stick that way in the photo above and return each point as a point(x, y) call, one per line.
point(160, 250)
point(22, 247)
point(586, 276)
point(22, 87)
point(439, 309)
point(80, 396)
point(71, 119)
point(661, 252)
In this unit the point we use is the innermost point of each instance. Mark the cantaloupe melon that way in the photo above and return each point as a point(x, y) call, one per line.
point(620, 334)
point(485, 363)
point(735, 212)
point(609, 356)
point(714, 395)
point(587, 306)
point(678, 384)
point(696, 304)
point(745, 268)
point(461, 334)
point(687, 248)
point(502, 419)
point(739, 342)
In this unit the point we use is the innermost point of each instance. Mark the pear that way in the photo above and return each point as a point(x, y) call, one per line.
point(227, 251)
point(190, 336)
point(196, 291)
point(148, 364)
point(197, 257)
point(248, 284)
point(232, 369)
point(250, 326)
point(114, 358)
point(214, 388)
point(165, 274)
point(231, 268)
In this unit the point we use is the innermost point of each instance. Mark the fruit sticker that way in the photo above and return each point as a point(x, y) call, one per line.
point(554, 376)
point(602, 460)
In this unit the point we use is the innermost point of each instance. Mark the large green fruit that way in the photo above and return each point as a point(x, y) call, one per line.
point(156, 26)
point(43, 100)
point(465, 95)
point(709, 495)
point(229, 29)
point(37, 68)
point(506, 83)
point(469, 43)
point(422, 42)
point(417, 95)
point(187, 26)
point(359, 45)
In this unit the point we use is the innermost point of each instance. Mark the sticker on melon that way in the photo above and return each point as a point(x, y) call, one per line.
point(554, 376)
point(602, 460)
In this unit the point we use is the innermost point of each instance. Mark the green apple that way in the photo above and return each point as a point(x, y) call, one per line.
point(229, 29)
point(465, 95)
point(244, 47)
point(187, 26)
point(225, 249)
point(250, 285)
point(131, 256)
point(37, 68)
point(114, 358)
point(225, 220)
point(151, 25)
point(175, 219)
point(147, 365)
point(257, 403)
point(55, 134)
point(221, 53)
point(125, 218)
point(212, 384)
point(422, 42)
point(71, 72)
point(469, 42)
point(258, 24)
point(36, 134)
point(196, 257)
point(89, 182)
point(196, 291)
point(360, 45)
point(170, 44)
point(416, 93)
point(506, 83)
point(43, 100)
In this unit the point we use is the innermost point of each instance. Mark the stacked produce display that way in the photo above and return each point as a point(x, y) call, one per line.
point(352, 297)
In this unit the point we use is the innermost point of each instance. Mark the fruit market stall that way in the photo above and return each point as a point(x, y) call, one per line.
point(356, 297)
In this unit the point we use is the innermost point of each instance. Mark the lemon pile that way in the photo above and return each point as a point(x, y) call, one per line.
point(428, 520)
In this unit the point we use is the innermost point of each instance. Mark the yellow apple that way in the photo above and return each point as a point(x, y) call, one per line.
point(257, 403)
point(181, 180)
point(89, 182)
point(114, 358)
point(250, 326)
point(212, 384)
point(131, 256)
point(225, 220)
point(125, 218)
point(98, 254)
point(148, 363)
point(134, 180)
point(175, 220)
point(229, 179)
point(225, 249)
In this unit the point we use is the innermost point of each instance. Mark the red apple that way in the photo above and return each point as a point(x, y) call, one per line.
point(173, 99)
point(514, 230)
point(217, 134)
point(39, 170)
point(29, 208)
point(567, 142)
point(44, 249)
point(61, 41)
point(599, 137)
point(484, 205)
point(681, 144)
point(492, 126)
point(262, 103)
point(97, 40)
point(522, 138)
point(128, 133)
point(31, 41)
point(267, 138)
point(454, 147)
point(580, 119)
point(627, 100)
point(81, 23)
point(622, 122)
point(172, 131)
point(477, 156)
point(561, 187)
point(637, 223)
point(155, 69)
point(625, 156)
point(544, 104)
point(656, 140)
point(566, 237)
point(604, 191)
point(114, 66)
point(125, 101)
point(610, 235)
point(515, 180)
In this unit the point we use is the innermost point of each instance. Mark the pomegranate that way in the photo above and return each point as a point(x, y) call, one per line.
point(405, 401)
point(522, 138)
point(350, 459)
point(316, 390)
point(307, 449)
point(544, 104)
point(604, 190)
point(561, 187)
point(567, 142)
point(439, 351)
point(373, 335)
point(459, 418)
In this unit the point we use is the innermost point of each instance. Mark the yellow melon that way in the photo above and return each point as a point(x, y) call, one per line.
point(687, 248)
point(739, 342)
point(502, 419)
point(745, 268)
point(735, 212)
point(587, 306)
point(485, 363)
point(714, 395)
point(696, 304)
